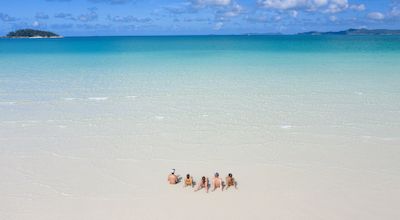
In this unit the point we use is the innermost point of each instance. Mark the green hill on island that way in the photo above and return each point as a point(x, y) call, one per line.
point(31, 33)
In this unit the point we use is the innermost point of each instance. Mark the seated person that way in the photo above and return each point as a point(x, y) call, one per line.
point(188, 181)
point(217, 182)
point(203, 184)
point(172, 178)
point(230, 181)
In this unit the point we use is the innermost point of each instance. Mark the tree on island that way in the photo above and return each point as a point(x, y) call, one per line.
point(31, 33)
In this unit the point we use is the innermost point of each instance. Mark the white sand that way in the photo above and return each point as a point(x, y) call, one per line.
point(109, 158)
point(59, 176)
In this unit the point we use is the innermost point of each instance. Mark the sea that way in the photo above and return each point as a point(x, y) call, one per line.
point(217, 98)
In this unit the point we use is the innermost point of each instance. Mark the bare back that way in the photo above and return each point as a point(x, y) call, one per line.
point(230, 181)
point(172, 179)
point(217, 182)
point(188, 181)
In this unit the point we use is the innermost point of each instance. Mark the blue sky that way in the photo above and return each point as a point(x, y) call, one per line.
point(182, 17)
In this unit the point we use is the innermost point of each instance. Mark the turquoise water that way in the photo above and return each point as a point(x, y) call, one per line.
point(118, 63)
point(346, 85)
point(197, 44)
point(93, 59)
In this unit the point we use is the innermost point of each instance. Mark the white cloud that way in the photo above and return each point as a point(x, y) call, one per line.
point(128, 19)
point(394, 9)
point(283, 4)
point(336, 6)
point(320, 3)
point(376, 16)
point(395, 12)
point(333, 18)
point(360, 7)
point(35, 24)
point(90, 16)
point(330, 6)
point(114, 2)
point(233, 11)
point(294, 13)
point(223, 9)
point(193, 6)
point(218, 26)
point(204, 3)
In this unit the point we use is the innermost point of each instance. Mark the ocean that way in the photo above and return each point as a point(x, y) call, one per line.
point(256, 93)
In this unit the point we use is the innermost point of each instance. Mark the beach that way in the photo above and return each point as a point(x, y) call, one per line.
point(308, 125)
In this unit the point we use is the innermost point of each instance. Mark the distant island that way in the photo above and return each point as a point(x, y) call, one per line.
point(362, 31)
point(31, 33)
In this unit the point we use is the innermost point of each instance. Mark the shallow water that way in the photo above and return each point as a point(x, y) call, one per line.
point(228, 91)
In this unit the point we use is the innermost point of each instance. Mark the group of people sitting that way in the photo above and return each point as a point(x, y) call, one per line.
point(203, 183)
